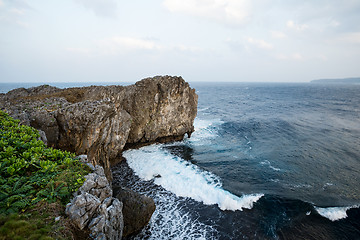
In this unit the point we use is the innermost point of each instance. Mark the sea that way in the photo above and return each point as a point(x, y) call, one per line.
point(266, 161)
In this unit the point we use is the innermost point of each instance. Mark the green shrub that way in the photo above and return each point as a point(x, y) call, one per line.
point(31, 172)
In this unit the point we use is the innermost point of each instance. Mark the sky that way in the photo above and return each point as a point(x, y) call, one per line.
point(200, 40)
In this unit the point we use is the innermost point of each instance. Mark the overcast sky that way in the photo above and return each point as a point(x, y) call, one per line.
point(201, 40)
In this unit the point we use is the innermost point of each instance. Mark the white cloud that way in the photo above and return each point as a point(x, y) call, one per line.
point(83, 51)
point(185, 48)
point(322, 57)
point(23, 24)
point(278, 35)
point(117, 45)
point(260, 43)
point(294, 56)
point(353, 37)
point(298, 27)
point(233, 12)
point(297, 56)
point(334, 23)
point(102, 8)
point(1, 3)
point(17, 11)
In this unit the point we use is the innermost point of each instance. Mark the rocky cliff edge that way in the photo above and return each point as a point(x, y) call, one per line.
point(101, 121)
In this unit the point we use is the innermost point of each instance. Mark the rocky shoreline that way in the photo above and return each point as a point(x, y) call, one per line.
point(102, 121)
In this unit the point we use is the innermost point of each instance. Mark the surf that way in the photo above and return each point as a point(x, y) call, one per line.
point(184, 178)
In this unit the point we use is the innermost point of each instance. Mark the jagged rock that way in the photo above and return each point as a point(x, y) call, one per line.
point(95, 208)
point(82, 208)
point(101, 120)
point(46, 122)
point(161, 107)
point(137, 209)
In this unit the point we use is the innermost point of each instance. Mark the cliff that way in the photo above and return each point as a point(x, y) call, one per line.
point(101, 120)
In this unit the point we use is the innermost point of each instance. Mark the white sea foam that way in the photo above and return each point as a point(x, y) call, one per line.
point(170, 221)
point(334, 213)
point(205, 131)
point(266, 162)
point(184, 179)
point(203, 109)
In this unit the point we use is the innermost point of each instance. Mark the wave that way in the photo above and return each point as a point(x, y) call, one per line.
point(205, 131)
point(267, 163)
point(184, 179)
point(334, 213)
point(171, 219)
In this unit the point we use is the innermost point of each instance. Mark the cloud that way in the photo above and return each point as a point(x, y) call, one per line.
point(294, 56)
point(278, 35)
point(334, 23)
point(184, 48)
point(17, 11)
point(22, 24)
point(259, 43)
point(295, 26)
point(82, 51)
point(102, 8)
point(232, 12)
point(121, 44)
point(353, 38)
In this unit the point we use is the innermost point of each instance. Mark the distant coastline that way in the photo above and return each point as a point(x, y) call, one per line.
point(338, 80)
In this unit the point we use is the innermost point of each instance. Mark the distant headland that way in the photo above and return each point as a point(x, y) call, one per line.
point(338, 80)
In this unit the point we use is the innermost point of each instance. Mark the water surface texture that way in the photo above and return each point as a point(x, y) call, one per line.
point(267, 161)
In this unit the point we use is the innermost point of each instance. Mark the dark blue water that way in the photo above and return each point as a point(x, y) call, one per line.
point(299, 141)
point(297, 144)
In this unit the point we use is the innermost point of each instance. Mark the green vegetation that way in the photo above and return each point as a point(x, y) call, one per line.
point(32, 175)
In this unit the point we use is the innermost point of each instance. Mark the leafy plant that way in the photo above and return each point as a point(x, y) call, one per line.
point(30, 172)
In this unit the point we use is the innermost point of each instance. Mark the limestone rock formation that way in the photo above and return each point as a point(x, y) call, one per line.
point(95, 208)
point(101, 120)
point(137, 209)
point(161, 107)
point(94, 128)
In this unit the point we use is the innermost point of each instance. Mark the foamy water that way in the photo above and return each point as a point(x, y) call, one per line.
point(205, 131)
point(184, 179)
point(334, 213)
point(169, 221)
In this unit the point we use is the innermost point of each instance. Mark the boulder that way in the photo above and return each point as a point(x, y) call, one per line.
point(93, 207)
point(137, 209)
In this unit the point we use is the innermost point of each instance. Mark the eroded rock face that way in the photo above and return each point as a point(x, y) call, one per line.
point(161, 107)
point(94, 208)
point(95, 128)
point(101, 120)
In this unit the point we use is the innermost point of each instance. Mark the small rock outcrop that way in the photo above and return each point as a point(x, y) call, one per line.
point(101, 120)
point(94, 208)
point(137, 209)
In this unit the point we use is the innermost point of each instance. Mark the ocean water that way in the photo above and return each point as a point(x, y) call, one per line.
point(266, 161)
